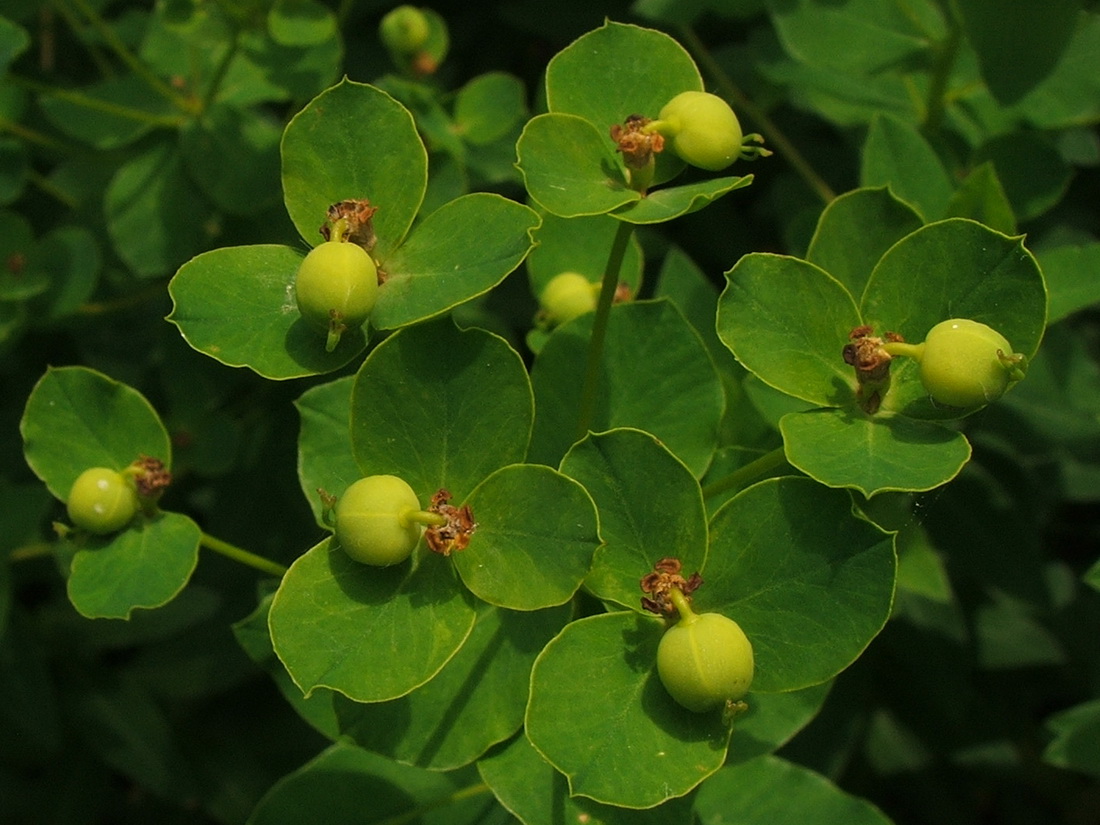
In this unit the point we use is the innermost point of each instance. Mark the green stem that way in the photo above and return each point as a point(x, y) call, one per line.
point(683, 606)
point(591, 386)
point(123, 302)
point(115, 44)
point(423, 517)
point(243, 556)
point(914, 351)
point(941, 75)
point(743, 476)
point(220, 71)
point(32, 135)
point(36, 550)
point(776, 136)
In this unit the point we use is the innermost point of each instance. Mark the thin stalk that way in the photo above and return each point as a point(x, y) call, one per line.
point(243, 556)
point(772, 133)
point(941, 74)
point(460, 795)
point(32, 135)
point(220, 71)
point(99, 105)
point(743, 476)
point(114, 42)
point(591, 386)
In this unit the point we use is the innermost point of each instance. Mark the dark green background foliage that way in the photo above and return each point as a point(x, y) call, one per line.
point(919, 583)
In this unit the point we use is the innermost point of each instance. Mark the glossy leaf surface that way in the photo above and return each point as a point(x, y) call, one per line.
point(388, 630)
point(526, 555)
point(421, 409)
point(650, 507)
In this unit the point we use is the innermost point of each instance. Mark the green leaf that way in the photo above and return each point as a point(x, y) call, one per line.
point(1062, 268)
point(809, 598)
point(650, 507)
point(354, 141)
point(657, 376)
point(526, 555)
point(772, 719)
point(369, 633)
point(1070, 94)
point(670, 202)
point(145, 565)
point(981, 197)
point(599, 714)
point(78, 418)
point(618, 70)
point(1076, 743)
point(477, 700)
point(15, 168)
point(855, 230)
point(787, 321)
point(441, 407)
point(1031, 169)
point(252, 635)
point(530, 787)
point(872, 454)
point(156, 216)
point(895, 154)
point(301, 23)
point(233, 154)
point(325, 459)
point(72, 255)
point(1017, 44)
point(237, 305)
point(954, 268)
point(13, 42)
point(569, 168)
point(346, 785)
point(855, 36)
point(768, 789)
point(489, 106)
point(456, 253)
point(21, 275)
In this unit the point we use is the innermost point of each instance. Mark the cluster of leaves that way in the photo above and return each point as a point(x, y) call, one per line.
point(708, 418)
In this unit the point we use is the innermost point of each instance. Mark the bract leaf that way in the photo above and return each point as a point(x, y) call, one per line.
point(525, 554)
point(237, 305)
point(787, 321)
point(650, 506)
point(441, 407)
point(809, 599)
point(354, 141)
point(370, 633)
point(872, 454)
point(626, 742)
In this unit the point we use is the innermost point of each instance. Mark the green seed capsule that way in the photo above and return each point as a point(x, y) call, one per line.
point(960, 365)
point(705, 660)
point(102, 501)
point(338, 281)
point(568, 295)
point(701, 129)
point(372, 524)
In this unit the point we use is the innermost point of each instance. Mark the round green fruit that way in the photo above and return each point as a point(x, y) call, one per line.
point(701, 129)
point(961, 363)
point(102, 501)
point(372, 524)
point(336, 281)
point(704, 661)
point(404, 29)
point(568, 295)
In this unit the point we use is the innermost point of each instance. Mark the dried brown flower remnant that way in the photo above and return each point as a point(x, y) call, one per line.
point(455, 534)
point(665, 577)
point(637, 146)
point(150, 477)
point(871, 363)
point(357, 214)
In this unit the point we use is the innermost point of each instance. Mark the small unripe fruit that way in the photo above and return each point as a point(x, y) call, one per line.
point(102, 501)
point(704, 661)
point(568, 295)
point(372, 524)
point(336, 280)
point(701, 129)
point(960, 365)
point(404, 29)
